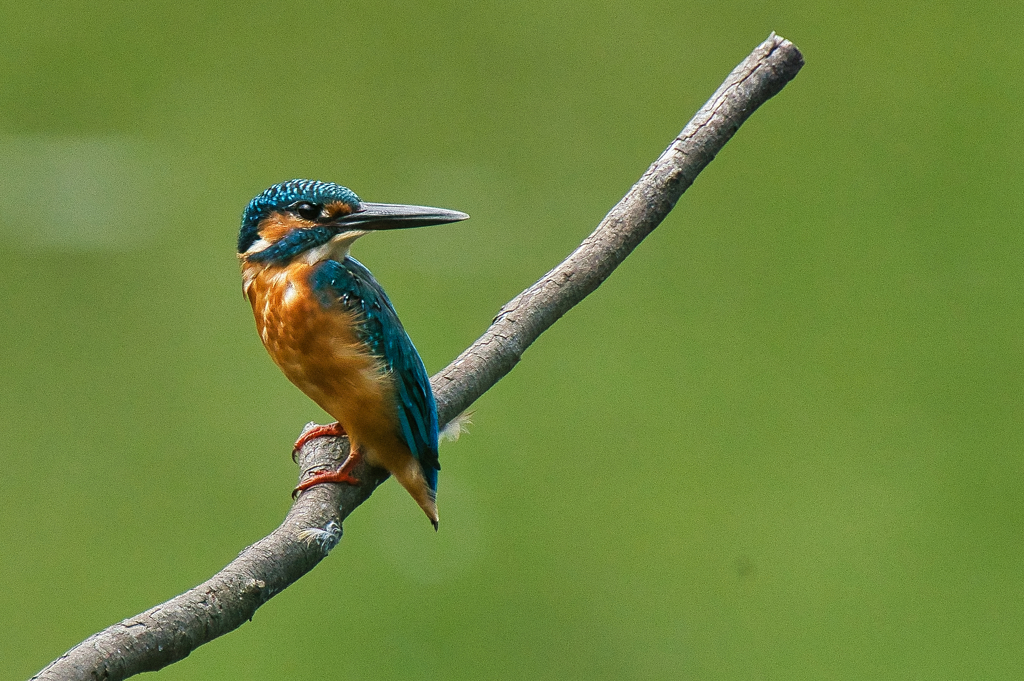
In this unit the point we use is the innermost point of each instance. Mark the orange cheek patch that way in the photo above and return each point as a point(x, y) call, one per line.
point(275, 227)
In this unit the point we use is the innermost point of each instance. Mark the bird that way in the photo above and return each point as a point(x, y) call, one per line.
point(330, 327)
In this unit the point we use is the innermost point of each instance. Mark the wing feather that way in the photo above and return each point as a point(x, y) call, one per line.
point(350, 285)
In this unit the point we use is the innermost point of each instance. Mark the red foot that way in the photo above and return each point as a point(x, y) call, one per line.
point(326, 430)
point(339, 475)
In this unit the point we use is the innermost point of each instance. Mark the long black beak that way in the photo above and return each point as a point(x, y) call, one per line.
point(376, 216)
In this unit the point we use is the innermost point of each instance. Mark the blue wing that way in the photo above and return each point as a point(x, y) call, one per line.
point(351, 286)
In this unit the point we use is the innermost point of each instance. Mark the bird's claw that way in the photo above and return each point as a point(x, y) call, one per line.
point(338, 475)
point(326, 430)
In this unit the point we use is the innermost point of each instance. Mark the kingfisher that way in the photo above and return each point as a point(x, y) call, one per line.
point(332, 330)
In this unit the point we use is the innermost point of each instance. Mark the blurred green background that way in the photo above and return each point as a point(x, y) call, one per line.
point(782, 441)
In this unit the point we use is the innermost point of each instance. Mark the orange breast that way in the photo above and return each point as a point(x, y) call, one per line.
point(319, 351)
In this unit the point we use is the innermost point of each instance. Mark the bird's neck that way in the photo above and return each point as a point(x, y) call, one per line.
point(335, 249)
point(259, 277)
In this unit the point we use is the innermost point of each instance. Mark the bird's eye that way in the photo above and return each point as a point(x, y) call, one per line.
point(306, 210)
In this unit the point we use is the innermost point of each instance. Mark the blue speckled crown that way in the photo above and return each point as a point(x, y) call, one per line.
point(282, 195)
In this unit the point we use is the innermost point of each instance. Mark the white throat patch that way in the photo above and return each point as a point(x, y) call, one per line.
point(335, 249)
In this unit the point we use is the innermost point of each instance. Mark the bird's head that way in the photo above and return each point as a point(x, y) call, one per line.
point(312, 221)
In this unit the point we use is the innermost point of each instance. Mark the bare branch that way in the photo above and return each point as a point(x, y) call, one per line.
point(170, 631)
point(759, 77)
